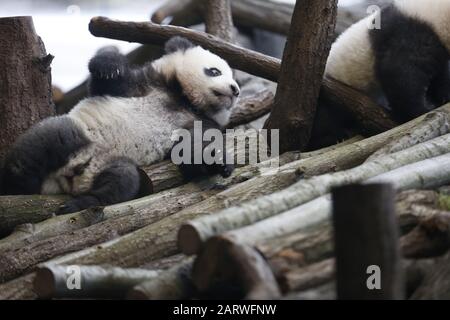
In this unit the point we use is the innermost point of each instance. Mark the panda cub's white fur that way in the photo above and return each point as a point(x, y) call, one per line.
point(198, 88)
point(138, 128)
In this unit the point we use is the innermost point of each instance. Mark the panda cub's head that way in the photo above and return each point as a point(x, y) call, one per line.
point(205, 78)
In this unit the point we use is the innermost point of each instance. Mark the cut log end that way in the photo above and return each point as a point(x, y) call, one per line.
point(137, 294)
point(189, 239)
point(44, 283)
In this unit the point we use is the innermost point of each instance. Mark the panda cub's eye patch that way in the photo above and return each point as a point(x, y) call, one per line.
point(212, 72)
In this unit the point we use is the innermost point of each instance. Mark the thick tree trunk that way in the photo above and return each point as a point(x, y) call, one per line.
point(365, 235)
point(25, 79)
point(302, 68)
point(218, 19)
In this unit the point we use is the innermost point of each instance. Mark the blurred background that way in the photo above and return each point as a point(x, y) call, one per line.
point(63, 26)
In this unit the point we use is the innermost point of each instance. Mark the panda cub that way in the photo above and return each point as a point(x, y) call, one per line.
point(93, 152)
point(406, 60)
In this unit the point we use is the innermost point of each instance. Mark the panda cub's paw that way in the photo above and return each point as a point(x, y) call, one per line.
point(108, 65)
point(77, 204)
point(225, 170)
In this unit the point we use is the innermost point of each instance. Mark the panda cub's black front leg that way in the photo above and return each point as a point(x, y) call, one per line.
point(194, 170)
point(110, 73)
point(121, 181)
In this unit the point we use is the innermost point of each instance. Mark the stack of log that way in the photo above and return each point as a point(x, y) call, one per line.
point(307, 229)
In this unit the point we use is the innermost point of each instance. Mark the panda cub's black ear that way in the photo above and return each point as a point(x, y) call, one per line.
point(178, 43)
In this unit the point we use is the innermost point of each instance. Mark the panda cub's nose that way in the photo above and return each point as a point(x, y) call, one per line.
point(235, 90)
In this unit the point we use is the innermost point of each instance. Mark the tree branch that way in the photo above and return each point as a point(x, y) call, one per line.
point(243, 59)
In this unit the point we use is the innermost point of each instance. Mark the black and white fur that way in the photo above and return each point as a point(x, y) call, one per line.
point(406, 60)
point(93, 152)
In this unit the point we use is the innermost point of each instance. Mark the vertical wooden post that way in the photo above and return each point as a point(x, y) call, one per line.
point(366, 242)
point(218, 20)
point(25, 79)
point(302, 68)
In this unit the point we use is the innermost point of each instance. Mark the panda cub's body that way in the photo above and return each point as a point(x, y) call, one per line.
point(406, 60)
point(94, 151)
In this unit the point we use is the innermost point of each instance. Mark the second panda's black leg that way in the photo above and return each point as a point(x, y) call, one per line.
point(121, 181)
point(110, 74)
point(405, 87)
point(439, 92)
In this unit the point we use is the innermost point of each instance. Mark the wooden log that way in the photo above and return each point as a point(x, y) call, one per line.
point(365, 236)
point(323, 272)
point(301, 72)
point(54, 281)
point(430, 237)
point(172, 284)
point(428, 173)
point(226, 262)
point(25, 79)
point(308, 277)
point(192, 235)
point(436, 282)
point(413, 206)
point(437, 124)
point(324, 292)
point(18, 289)
point(255, 106)
point(29, 233)
point(15, 210)
point(22, 287)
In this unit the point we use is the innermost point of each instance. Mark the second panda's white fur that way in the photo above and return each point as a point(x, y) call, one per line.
point(352, 57)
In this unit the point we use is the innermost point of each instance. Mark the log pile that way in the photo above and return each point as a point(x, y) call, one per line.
point(301, 225)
